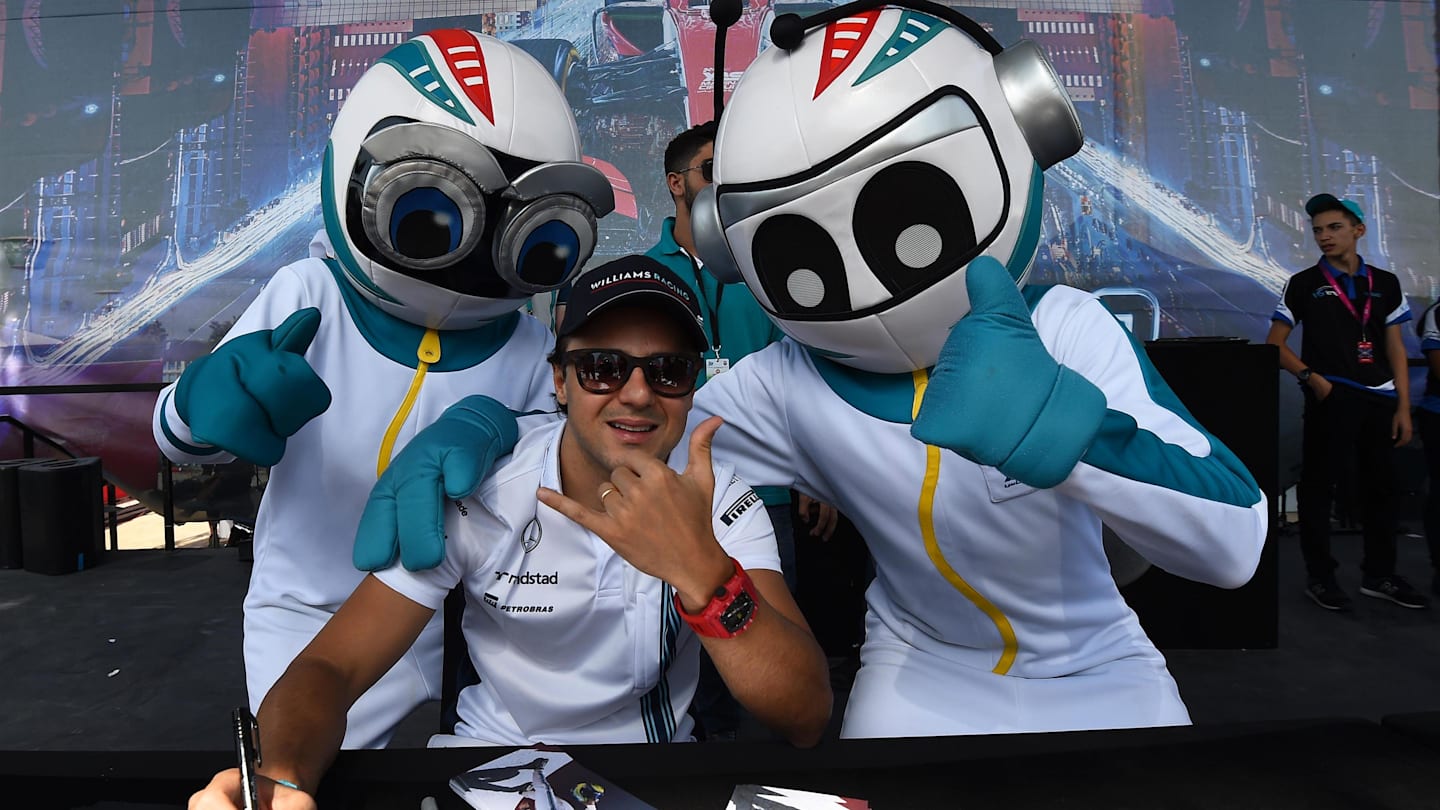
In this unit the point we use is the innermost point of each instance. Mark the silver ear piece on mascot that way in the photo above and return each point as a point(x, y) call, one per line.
point(425, 194)
point(1041, 106)
point(1036, 97)
point(709, 237)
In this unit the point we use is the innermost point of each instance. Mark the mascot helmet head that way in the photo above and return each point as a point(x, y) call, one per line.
point(898, 147)
point(453, 187)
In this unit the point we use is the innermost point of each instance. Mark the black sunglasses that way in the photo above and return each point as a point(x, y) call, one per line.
point(706, 167)
point(605, 371)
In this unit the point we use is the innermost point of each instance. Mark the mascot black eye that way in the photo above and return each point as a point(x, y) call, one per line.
point(912, 225)
point(549, 253)
point(800, 267)
point(425, 223)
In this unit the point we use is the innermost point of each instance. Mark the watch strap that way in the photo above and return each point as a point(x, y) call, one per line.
point(730, 611)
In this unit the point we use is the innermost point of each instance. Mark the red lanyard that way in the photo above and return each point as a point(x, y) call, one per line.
point(1345, 299)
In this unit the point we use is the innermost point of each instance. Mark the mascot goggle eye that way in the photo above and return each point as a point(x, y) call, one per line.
point(921, 199)
point(432, 198)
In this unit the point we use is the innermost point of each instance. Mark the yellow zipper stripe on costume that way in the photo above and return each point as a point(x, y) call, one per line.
point(932, 545)
point(427, 354)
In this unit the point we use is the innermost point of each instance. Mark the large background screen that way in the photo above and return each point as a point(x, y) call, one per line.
point(161, 157)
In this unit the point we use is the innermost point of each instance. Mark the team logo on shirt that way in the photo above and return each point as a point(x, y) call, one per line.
point(528, 578)
point(494, 601)
point(738, 508)
point(530, 538)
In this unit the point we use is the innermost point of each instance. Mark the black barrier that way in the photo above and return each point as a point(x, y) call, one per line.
point(1322, 764)
point(11, 551)
point(61, 522)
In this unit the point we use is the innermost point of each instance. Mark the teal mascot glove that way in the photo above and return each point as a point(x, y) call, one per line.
point(445, 460)
point(998, 398)
point(254, 392)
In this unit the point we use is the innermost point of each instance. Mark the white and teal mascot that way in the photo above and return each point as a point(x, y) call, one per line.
point(453, 190)
point(976, 429)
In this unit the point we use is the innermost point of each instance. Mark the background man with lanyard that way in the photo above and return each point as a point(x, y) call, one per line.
point(1353, 370)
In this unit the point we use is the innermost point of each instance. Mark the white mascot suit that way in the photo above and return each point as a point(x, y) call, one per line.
point(453, 190)
point(977, 433)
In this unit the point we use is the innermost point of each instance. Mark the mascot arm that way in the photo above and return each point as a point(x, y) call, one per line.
point(175, 439)
point(1168, 488)
point(1065, 398)
point(245, 398)
point(404, 516)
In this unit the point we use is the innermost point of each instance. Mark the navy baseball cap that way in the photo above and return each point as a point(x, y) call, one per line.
point(1329, 202)
point(633, 280)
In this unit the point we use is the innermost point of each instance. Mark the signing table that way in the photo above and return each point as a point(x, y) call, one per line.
point(1312, 764)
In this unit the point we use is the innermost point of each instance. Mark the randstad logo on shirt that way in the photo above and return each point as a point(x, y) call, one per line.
point(528, 578)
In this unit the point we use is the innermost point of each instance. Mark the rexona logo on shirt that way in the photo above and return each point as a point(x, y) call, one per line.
point(738, 508)
point(528, 578)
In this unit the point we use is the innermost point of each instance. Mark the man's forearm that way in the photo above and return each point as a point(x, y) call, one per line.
point(776, 669)
point(302, 723)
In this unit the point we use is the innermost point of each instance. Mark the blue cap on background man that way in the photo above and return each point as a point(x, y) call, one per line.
point(1329, 202)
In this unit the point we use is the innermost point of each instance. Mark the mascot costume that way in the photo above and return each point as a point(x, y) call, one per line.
point(452, 192)
point(976, 434)
point(979, 432)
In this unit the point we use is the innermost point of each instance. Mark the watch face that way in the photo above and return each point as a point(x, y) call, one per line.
point(738, 613)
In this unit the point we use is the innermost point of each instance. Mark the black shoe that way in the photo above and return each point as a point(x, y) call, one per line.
point(1394, 589)
point(1327, 594)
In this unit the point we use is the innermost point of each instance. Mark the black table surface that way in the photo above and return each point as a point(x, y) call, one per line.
point(1321, 763)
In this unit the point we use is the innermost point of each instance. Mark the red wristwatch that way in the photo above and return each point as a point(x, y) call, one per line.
point(730, 611)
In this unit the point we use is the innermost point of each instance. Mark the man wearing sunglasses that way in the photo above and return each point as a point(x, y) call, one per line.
point(593, 572)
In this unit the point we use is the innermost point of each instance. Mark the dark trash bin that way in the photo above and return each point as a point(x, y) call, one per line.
point(11, 555)
point(61, 522)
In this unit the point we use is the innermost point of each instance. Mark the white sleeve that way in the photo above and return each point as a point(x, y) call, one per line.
point(284, 295)
point(1169, 489)
point(756, 436)
point(741, 523)
point(468, 526)
point(1429, 332)
point(174, 437)
point(1401, 313)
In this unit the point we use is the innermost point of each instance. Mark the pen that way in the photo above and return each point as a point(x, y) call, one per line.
point(247, 750)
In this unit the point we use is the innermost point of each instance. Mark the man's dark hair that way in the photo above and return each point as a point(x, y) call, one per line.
point(683, 147)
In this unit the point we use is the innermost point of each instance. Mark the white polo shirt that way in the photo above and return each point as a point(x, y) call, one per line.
point(573, 645)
